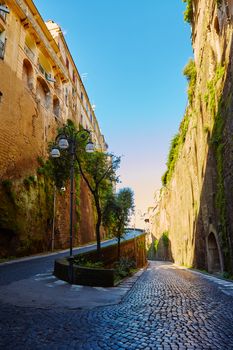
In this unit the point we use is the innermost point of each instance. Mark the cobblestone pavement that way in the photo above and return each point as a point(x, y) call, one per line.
point(167, 308)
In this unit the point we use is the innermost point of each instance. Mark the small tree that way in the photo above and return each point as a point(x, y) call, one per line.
point(98, 170)
point(116, 215)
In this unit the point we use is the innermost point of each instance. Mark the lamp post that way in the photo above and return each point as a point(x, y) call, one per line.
point(68, 140)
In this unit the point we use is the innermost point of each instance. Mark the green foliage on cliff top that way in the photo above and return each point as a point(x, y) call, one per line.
point(191, 74)
point(188, 13)
point(175, 146)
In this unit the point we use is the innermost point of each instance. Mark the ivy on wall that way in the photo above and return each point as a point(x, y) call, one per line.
point(175, 147)
point(179, 139)
point(216, 106)
point(190, 73)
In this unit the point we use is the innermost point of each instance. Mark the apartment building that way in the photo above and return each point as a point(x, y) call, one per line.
point(37, 54)
point(40, 88)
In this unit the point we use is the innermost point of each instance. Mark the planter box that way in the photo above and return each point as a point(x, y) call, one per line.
point(83, 275)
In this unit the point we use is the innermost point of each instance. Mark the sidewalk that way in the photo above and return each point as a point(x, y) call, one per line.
point(45, 291)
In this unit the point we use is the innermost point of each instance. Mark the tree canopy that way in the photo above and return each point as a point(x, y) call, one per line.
point(117, 211)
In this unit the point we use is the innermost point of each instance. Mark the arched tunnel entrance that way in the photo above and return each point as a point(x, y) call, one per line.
point(214, 263)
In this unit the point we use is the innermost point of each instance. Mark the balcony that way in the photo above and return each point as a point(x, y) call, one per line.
point(41, 69)
point(47, 76)
point(3, 15)
point(2, 49)
point(29, 53)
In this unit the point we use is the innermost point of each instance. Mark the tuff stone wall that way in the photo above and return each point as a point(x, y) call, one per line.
point(196, 205)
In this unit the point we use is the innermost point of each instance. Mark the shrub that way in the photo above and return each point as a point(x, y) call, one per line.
point(124, 266)
point(30, 180)
point(7, 185)
point(81, 261)
point(188, 13)
point(191, 74)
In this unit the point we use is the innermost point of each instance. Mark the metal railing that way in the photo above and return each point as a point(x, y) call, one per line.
point(3, 15)
point(29, 52)
point(41, 69)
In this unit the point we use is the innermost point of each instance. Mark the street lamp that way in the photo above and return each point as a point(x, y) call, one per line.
point(68, 140)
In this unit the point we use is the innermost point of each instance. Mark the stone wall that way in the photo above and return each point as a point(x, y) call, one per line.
point(195, 206)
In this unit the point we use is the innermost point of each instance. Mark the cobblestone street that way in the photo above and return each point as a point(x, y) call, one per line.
point(167, 308)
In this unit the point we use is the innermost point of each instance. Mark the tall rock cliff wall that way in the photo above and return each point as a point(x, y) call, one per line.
point(195, 205)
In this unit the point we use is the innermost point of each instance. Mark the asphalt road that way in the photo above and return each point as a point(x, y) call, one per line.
point(24, 268)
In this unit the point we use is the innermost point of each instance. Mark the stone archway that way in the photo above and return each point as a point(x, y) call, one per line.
point(214, 259)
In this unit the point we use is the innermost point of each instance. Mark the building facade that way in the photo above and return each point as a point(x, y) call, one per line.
point(40, 88)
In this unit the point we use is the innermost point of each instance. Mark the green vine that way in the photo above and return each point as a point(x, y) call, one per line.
point(220, 200)
point(216, 106)
point(211, 97)
point(191, 74)
point(179, 139)
point(176, 144)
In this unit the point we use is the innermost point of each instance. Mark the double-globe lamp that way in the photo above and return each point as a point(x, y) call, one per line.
point(71, 144)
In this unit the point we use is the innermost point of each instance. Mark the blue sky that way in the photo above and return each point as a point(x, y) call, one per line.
point(134, 52)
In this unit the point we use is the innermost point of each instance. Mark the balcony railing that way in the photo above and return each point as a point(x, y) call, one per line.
point(29, 52)
point(2, 49)
point(41, 69)
point(3, 15)
point(47, 76)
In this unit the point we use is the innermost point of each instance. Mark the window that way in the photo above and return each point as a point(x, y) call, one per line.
point(87, 107)
point(0, 96)
point(91, 117)
point(81, 96)
point(30, 46)
point(3, 11)
point(56, 107)
point(67, 63)
point(43, 93)
point(28, 74)
point(74, 77)
point(2, 44)
point(66, 96)
point(81, 119)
